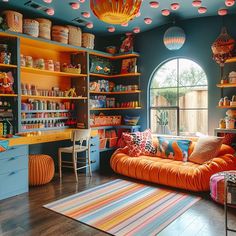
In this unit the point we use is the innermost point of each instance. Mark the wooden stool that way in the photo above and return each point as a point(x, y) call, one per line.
point(41, 169)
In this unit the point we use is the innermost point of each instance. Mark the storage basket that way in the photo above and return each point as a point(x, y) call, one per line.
point(71, 70)
point(88, 40)
point(44, 28)
point(60, 34)
point(112, 142)
point(31, 27)
point(103, 143)
point(75, 35)
point(14, 20)
point(131, 120)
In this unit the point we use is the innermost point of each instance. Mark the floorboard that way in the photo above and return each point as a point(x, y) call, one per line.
point(24, 214)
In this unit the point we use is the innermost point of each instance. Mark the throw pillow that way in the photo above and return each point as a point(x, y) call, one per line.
point(139, 143)
point(205, 149)
point(176, 149)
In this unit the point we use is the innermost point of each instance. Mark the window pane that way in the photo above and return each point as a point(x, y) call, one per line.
point(164, 97)
point(166, 75)
point(190, 73)
point(193, 122)
point(164, 121)
point(193, 97)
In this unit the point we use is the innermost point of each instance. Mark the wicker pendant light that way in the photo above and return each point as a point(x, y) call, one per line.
point(115, 11)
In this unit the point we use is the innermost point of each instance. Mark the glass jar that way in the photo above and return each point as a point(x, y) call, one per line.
point(28, 61)
point(49, 65)
point(22, 60)
point(57, 66)
point(5, 56)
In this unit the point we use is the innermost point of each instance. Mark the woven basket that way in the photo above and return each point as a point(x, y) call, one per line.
point(14, 20)
point(88, 40)
point(44, 28)
point(60, 34)
point(31, 27)
point(75, 35)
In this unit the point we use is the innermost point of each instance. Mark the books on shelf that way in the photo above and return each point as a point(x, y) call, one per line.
point(129, 65)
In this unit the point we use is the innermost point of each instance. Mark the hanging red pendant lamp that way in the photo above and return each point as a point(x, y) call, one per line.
point(115, 11)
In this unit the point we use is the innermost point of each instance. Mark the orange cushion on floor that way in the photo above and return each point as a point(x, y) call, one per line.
point(41, 169)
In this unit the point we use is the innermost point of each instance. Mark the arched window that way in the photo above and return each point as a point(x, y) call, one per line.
point(179, 99)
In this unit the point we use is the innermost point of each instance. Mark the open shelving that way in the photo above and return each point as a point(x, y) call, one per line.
point(53, 73)
point(8, 95)
point(113, 93)
point(114, 108)
point(226, 85)
point(52, 98)
point(44, 111)
point(8, 65)
point(114, 76)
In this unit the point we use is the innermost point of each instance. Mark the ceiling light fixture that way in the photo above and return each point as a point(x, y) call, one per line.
point(222, 12)
point(89, 25)
point(50, 11)
point(115, 11)
point(47, 1)
point(165, 12)
point(196, 3)
point(154, 4)
point(202, 10)
point(111, 29)
point(175, 6)
point(75, 5)
point(86, 14)
point(148, 21)
point(136, 30)
point(174, 38)
point(229, 3)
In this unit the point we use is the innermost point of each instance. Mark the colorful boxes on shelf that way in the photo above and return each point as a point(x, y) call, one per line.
point(104, 120)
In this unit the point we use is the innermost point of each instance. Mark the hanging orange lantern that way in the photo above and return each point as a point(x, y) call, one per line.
point(115, 11)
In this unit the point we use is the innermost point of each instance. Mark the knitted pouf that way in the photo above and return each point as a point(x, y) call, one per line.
point(217, 186)
point(41, 169)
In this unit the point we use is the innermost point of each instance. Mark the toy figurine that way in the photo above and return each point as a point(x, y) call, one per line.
point(71, 93)
point(222, 124)
point(127, 44)
point(6, 82)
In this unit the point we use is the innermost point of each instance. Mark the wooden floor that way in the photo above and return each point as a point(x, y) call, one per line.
point(24, 214)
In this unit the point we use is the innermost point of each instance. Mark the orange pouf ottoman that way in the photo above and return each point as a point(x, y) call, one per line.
point(41, 169)
point(217, 186)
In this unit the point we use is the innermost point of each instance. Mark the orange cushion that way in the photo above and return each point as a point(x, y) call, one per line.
point(184, 175)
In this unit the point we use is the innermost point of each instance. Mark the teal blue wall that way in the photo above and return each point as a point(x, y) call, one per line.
point(200, 34)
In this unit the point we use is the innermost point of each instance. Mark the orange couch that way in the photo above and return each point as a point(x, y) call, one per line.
point(184, 175)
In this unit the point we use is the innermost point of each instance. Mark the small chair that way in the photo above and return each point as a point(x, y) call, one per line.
point(80, 139)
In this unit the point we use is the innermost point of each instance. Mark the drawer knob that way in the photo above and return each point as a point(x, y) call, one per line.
point(92, 145)
point(12, 173)
point(12, 159)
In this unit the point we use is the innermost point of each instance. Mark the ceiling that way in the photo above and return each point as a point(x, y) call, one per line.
point(65, 14)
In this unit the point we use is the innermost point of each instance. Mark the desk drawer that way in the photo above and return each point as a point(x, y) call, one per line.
point(94, 143)
point(13, 183)
point(13, 163)
point(14, 152)
point(95, 160)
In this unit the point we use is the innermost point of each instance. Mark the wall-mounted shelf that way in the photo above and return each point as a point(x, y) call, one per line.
point(223, 107)
point(228, 85)
point(114, 108)
point(115, 76)
point(52, 73)
point(231, 60)
point(114, 56)
point(8, 65)
point(116, 126)
point(113, 93)
point(52, 98)
point(48, 118)
point(8, 95)
point(41, 111)
point(45, 129)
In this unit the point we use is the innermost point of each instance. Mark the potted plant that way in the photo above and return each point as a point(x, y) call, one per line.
point(162, 121)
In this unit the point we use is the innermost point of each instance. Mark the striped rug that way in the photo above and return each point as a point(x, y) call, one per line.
point(122, 207)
